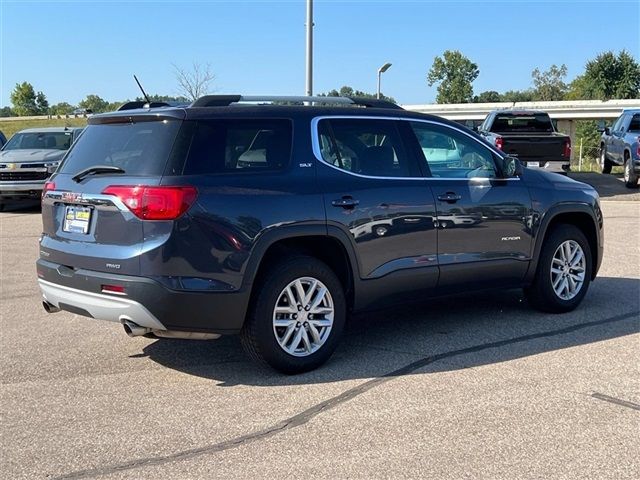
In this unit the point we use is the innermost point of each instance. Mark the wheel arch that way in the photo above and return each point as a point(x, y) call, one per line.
point(581, 216)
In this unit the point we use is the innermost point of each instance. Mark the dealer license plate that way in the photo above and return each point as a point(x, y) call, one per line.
point(76, 219)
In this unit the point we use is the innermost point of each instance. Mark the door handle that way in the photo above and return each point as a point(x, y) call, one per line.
point(346, 202)
point(449, 197)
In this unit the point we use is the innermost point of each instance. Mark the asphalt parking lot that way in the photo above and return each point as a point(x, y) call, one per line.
point(477, 386)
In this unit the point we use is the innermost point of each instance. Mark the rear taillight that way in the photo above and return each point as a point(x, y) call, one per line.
point(154, 203)
point(48, 186)
point(566, 152)
point(499, 143)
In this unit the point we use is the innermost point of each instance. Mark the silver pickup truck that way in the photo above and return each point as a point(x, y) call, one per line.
point(29, 158)
point(620, 145)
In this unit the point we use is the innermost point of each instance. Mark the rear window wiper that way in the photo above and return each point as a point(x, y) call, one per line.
point(96, 170)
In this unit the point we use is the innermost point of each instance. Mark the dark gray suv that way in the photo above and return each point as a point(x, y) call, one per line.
point(277, 221)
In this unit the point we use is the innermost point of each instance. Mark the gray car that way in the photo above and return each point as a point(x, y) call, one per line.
point(620, 145)
point(29, 158)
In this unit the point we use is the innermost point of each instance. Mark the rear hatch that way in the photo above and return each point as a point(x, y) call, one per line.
point(91, 207)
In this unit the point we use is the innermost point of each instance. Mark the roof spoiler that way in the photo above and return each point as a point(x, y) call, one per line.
point(142, 104)
point(226, 100)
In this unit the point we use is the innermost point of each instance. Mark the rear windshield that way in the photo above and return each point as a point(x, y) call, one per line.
point(239, 146)
point(40, 140)
point(138, 148)
point(513, 122)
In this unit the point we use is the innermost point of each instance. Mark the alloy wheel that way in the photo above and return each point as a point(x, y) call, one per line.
point(568, 269)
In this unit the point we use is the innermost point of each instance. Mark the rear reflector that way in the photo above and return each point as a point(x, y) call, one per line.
point(48, 186)
point(152, 202)
point(113, 289)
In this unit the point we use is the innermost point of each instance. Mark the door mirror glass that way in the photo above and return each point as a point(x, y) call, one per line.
point(511, 167)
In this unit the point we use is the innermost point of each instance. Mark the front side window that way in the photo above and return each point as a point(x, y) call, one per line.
point(449, 153)
point(220, 146)
point(368, 147)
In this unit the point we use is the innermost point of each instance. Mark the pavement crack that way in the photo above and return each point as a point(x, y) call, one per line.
point(327, 405)
point(617, 401)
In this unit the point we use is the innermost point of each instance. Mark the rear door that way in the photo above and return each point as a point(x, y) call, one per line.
point(483, 221)
point(86, 227)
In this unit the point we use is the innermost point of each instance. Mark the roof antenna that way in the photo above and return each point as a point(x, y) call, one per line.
point(142, 90)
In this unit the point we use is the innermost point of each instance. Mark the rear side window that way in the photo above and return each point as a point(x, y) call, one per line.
point(224, 146)
point(364, 146)
point(138, 148)
point(634, 126)
point(517, 122)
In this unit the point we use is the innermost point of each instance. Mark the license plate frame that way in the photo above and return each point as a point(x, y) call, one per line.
point(77, 219)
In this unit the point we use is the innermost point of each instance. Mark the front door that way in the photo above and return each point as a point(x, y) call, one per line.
point(483, 221)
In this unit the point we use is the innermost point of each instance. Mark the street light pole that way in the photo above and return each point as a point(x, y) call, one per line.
point(381, 70)
point(309, 82)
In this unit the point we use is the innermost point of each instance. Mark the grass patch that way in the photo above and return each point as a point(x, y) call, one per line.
point(9, 127)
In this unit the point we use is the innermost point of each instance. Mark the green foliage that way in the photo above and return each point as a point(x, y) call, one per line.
point(347, 91)
point(94, 103)
point(26, 102)
point(62, 108)
point(7, 112)
point(518, 96)
point(9, 127)
point(608, 76)
point(490, 96)
point(550, 85)
point(455, 74)
point(164, 98)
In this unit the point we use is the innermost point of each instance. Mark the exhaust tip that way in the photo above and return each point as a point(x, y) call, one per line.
point(49, 307)
point(133, 329)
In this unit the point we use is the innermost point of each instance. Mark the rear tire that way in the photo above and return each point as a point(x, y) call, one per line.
point(630, 178)
point(605, 163)
point(564, 271)
point(295, 338)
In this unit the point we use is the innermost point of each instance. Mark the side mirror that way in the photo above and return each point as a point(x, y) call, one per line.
point(511, 167)
point(607, 131)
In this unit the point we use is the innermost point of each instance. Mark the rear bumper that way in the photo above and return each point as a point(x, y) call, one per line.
point(145, 302)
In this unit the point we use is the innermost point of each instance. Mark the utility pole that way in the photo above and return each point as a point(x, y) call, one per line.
point(309, 83)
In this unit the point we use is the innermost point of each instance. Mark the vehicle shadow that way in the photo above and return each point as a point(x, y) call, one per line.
point(607, 186)
point(442, 335)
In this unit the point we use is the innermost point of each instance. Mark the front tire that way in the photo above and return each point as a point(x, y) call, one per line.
point(564, 271)
point(297, 316)
point(605, 163)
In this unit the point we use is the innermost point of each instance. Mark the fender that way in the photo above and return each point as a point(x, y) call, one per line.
point(541, 234)
point(270, 237)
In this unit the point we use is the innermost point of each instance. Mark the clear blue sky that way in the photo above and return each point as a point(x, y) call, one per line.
point(69, 49)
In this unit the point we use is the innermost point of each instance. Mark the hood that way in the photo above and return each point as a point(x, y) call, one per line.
point(31, 155)
point(556, 180)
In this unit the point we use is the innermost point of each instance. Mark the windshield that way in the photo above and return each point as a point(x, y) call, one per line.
point(40, 140)
point(515, 122)
point(137, 148)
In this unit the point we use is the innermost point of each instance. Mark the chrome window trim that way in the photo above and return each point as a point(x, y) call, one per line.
point(315, 144)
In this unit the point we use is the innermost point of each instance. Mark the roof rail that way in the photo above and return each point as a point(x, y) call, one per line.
point(226, 100)
point(141, 104)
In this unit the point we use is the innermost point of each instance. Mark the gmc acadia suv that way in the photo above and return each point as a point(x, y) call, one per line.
point(276, 221)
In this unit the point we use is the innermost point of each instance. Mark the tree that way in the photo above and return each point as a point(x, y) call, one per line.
point(164, 98)
point(518, 96)
point(455, 74)
point(608, 76)
point(347, 91)
point(490, 96)
point(6, 112)
point(550, 85)
point(62, 108)
point(194, 83)
point(27, 102)
point(94, 103)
